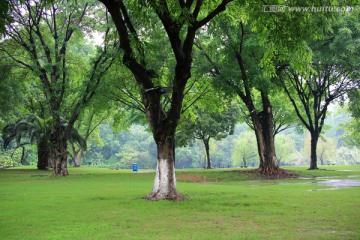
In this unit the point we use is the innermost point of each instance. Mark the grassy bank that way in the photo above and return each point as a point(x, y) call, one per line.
point(106, 204)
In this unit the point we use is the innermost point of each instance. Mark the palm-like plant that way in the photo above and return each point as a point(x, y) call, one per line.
point(32, 129)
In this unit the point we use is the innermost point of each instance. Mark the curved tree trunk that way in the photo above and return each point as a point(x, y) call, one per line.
point(164, 187)
point(207, 150)
point(313, 156)
point(77, 156)
point(43, 152)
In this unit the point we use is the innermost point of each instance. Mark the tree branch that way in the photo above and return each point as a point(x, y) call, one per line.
point(220, 8)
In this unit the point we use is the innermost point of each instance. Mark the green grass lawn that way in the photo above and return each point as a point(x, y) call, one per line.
point(107, 204)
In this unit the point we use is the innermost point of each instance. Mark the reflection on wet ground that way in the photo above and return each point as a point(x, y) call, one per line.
point(340, 183)
point(330, 182)
point(335, 184)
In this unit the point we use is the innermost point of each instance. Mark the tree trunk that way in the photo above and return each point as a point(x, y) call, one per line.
point(59, 146)
point(263, 126)
point(22, 161)
point(164, 187)
point(313, 156)
point(77, 155)
point(244, 162)
point(43, 154)
point(207, 150)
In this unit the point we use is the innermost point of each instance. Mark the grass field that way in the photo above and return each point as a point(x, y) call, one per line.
point(107, 204)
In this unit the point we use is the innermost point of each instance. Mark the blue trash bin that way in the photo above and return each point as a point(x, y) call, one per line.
point(135, 167)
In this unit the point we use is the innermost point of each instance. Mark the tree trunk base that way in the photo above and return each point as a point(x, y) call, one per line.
point(173, 196)
point(316, 168)
point(60, 169)
point(43, 168)
point(273, 172)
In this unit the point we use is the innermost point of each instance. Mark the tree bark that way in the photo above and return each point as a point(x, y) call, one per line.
point(207, 150)
point(43, 154)
point(59, 145)
point(164, 187)
point(313, 155)
point(77, 156)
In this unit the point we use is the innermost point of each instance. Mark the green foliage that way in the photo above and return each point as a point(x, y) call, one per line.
point(32, 129)
point(27, 130)
point(10, 158)
point(332, 75)
point(326, 151)
point(134, 145)
point(208, 124)
point(245, 150)
point(352, 132)
point(285, 149)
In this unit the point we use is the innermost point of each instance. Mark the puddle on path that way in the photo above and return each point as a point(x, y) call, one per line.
point(347, 170)
point(330, 182)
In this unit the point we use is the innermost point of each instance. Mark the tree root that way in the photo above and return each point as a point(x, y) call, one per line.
point(172, 196)
point(274, 173)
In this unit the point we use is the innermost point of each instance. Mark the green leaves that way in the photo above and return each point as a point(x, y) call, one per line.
point(206, 124)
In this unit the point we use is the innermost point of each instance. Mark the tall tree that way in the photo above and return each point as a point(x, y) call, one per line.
point(180, 21)
point(44, 31)
point(236, 71)
point(334, 71)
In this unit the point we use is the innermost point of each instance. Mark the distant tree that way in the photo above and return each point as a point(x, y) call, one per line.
point(209, 125)
point(326, 149)
point(88, 124)
point(190, 156)
point(285, 147)
point(347, 156)
point(244, 149)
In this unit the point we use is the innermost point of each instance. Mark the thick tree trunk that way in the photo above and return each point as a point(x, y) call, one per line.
point(164, 187)
point(43, 154)
point(263, 126)
point(59, 151)
point(313, 156)
point(207, 150)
